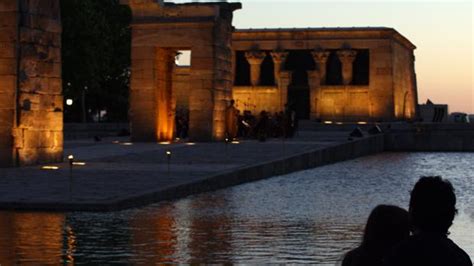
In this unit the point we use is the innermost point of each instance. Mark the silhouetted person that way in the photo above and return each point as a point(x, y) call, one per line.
point(432, 210)
point(181, 122)
point(248, 122)
point(386, 226)
point(262, 127)
point(240, 125)
point(289, 120)
point(232, 119)
point(276, 124)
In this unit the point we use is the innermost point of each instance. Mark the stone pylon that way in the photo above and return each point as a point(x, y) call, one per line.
point(165, 111)
point(31, 101)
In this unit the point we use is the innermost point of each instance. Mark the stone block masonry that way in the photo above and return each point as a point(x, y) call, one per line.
point(31, 102)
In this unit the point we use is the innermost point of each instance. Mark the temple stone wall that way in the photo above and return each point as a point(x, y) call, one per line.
point(31, 102)
point(405, 96)
point(222, 73)
point(8, 78)
point(355, 102)
point(391, 90)
point(181, 87)
point(142, 94)
point(257, 99)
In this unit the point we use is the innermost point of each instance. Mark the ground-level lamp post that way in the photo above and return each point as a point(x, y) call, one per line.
point(83, 104)
point(71, 163)
point(226, 141)
point(168, 157)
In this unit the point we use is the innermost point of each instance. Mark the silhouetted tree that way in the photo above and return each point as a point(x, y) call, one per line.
point(96, 55)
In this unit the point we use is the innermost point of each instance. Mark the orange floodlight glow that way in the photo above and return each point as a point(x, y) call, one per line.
point(49, 167)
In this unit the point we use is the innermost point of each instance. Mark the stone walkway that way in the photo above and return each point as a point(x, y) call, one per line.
point(119, 174)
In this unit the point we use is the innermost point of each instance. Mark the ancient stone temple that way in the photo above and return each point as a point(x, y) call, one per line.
point(31, 103)
point(335, 74)
point(326, 74)
point(159, 31)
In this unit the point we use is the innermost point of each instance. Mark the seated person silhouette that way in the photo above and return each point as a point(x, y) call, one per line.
point(386, 226)
point(432, 210)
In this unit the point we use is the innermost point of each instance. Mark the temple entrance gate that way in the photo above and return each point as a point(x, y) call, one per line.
point(159, 30)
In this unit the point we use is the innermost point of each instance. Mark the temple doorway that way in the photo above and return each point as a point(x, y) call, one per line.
point(299, 62)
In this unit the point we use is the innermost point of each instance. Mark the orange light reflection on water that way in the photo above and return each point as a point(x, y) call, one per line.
point(31, 237)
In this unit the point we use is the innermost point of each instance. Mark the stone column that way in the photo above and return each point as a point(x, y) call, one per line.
point(320, 58)
point(142, 114)
point(279, 59)
point(346, 57)
point(201, 93)
point(314, 93)
point(164, 94)
point(285, 80)
point(255, 59)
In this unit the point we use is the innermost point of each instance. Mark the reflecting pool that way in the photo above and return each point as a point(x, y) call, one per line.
point(312, 216)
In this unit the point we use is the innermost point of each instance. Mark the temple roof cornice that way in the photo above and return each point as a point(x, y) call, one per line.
point(321, 34)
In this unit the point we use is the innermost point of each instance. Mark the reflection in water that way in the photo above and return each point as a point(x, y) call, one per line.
point(210, 238)
point(33, 238)
point(99, 237)
point(154, 238)
point(70, 245)
point(313, 216)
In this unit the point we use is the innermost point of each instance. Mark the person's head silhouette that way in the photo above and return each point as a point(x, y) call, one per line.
point(432, 205)
point(386, 226)
point(432, 210)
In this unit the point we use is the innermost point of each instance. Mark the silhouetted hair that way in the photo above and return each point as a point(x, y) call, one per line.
point(386, 226)
point(433, 204)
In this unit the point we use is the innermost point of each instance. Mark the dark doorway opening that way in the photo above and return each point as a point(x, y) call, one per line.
point(299, 62)
point(242, 70)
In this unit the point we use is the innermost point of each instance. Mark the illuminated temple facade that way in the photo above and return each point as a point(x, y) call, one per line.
point(337, 74)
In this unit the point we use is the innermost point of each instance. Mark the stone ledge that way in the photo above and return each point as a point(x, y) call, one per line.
point(285, 165)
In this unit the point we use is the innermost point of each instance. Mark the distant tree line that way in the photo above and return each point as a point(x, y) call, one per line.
point(96, 59)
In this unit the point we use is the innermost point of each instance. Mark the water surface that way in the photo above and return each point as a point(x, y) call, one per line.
point(312, 216)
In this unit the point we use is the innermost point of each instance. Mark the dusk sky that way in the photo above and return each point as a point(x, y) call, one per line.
point(441, 30)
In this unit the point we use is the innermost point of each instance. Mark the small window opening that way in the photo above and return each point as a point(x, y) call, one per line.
point(183, 58)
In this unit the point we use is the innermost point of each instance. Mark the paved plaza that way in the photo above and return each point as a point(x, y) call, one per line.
point(116, 170)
